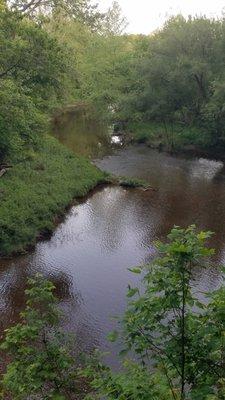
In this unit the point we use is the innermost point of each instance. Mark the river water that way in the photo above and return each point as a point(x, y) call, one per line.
point(89, 253)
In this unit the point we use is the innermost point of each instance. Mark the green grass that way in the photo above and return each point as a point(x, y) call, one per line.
point(132, 183)
point(177, 136)
point(127, 182)
point(39, 188)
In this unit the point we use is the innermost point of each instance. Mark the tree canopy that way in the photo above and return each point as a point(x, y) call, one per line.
point(66, 51)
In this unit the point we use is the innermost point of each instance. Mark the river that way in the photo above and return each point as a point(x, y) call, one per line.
point(89, 253)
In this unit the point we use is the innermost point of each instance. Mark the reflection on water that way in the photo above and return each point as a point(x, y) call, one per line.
point(88, 255)
point(115, 139)
point(205, 169)
point(82, 135)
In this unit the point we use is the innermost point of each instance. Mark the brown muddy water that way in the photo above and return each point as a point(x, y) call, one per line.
point(89, 253)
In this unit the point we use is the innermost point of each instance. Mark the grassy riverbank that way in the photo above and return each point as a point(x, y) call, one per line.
point(167, 136)
point(38, 189)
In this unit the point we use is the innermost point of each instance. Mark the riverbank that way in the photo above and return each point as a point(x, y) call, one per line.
point(35, 192)
point(174, 139)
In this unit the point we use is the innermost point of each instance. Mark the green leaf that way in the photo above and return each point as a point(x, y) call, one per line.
point(135, 270)
point(113, 336)
point(132, 291)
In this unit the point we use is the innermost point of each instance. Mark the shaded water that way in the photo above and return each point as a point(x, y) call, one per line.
point(90, 251)
point(82, 135)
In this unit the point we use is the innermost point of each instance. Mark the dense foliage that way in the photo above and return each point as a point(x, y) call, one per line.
point(167, 88)
point(42, 64)
point(170, 84)
point(42, 68)
point(177, 337)
point(182, 79)
point(41, 361)
point(30, 81)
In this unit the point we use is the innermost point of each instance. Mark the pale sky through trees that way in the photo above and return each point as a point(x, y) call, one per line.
point(144, 16)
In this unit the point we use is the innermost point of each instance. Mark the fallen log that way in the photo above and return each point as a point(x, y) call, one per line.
point(3, 166)
point(2, 172)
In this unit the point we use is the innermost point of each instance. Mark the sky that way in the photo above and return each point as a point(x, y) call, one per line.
point(145, 16)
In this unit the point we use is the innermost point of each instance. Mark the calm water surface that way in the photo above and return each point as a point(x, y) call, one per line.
point(90, 251)
point(82, 135)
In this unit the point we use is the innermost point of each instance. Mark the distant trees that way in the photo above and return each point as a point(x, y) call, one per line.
point(182, 75)
point(84, 10)
point(32, 67)
point(52, 53)
point(114, 22)
point(101, 59)
point(64, 51)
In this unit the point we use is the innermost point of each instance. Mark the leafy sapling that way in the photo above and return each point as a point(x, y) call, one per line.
point(177, 339)
point(40, 366)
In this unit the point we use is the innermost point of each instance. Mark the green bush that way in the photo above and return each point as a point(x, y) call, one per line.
point(20, 121)
point(172, 136)
point(176, 335)
point(41, 362)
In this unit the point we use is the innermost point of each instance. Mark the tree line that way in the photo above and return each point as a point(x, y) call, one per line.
point(50, 55)
point(59, 52)
point(180, 71)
